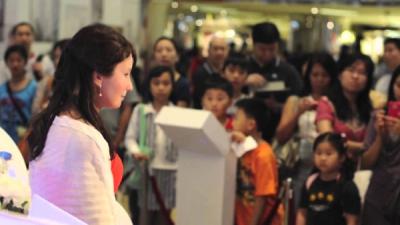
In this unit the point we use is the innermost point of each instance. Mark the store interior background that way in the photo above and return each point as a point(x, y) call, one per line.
point(305, 25)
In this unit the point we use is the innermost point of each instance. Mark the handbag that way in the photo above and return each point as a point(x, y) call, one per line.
point(134, 168)
point(288, 156)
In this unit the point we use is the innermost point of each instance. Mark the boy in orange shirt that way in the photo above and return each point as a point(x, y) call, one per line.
point(257, 178)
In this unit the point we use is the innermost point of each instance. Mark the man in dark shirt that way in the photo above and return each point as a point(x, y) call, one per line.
point(267, 69)
point(217, 53)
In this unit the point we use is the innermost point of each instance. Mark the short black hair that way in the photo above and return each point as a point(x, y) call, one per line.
point(155, 72)
point(237, 59)
point(220, 83)
point(14, 29)
point(395, 41)
point(257, 109)
point(266, 33)
point(20, 49)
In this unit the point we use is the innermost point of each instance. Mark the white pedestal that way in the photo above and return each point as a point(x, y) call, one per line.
point(206, 176)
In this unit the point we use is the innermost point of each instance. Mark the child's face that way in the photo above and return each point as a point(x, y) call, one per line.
point(327, 158)
point(241, 122)
point(396, 88)
point(216, 101)
point(161, 87)
point(236, 75)
point(16, 63)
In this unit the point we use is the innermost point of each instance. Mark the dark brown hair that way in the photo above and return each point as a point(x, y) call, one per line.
point(94, 48)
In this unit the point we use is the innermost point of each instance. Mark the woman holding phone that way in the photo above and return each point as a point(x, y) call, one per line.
point(383, 157)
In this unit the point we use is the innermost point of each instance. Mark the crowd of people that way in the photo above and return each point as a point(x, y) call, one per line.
point(86, 107)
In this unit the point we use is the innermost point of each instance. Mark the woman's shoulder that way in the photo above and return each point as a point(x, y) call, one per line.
point(76, 134)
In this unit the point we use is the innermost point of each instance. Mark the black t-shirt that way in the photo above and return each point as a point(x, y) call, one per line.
point(181, 90)
point(327, 201)
point(279, 70)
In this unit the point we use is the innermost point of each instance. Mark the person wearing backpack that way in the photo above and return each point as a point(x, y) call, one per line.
point(329, 195)
point(17, 94)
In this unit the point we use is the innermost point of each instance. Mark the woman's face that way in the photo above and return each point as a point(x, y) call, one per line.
point(319, 79)
point(396, 89)
point(115, 87)
point(16, 63)
point(165, 53)
point(354, 78)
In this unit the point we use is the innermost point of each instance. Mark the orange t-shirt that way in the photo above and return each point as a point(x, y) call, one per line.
point(257, 176)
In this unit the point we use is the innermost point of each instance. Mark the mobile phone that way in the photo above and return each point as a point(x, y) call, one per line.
point(393, 109)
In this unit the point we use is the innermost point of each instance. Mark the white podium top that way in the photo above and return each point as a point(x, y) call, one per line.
point(194, 130)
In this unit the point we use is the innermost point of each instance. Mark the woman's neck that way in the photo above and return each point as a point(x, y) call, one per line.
point(157, 105)
point(328, 176)
point(316, 96)
point(352, 98)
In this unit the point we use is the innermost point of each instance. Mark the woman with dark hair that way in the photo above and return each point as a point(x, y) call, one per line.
point(70, 150)
point(165, 53)
point(348, 106)
point(299, 112)
point(383, 157)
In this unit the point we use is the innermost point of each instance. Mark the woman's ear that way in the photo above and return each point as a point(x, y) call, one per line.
point(97, 79)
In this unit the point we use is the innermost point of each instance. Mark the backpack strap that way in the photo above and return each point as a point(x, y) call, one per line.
point(310, 180)
point(21, 114)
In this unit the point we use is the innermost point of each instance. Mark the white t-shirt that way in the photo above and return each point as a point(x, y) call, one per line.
point(382, 85)
point(132, 133)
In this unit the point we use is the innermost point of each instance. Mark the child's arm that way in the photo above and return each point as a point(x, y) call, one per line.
point(301, 216)
point(259, 208)
point(132, 134)
point(350, 219)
